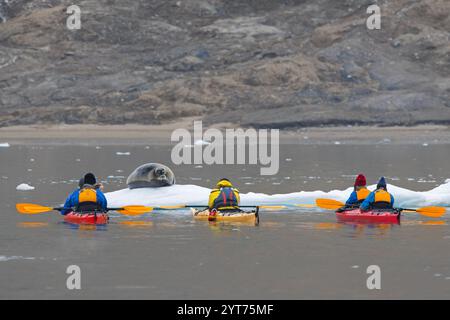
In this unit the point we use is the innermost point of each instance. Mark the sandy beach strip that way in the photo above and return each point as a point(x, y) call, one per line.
point(161, 134)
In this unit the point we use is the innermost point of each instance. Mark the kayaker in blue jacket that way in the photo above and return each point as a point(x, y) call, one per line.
point(379, 199)
point(87, 198)
point(360, 192)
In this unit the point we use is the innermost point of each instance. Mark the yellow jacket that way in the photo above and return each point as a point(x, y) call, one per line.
point(224, 187)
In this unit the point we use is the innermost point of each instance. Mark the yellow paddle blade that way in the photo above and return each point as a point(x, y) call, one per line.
point(30, 208)
point(181, 206)
point(272, 207)
point(433, 212)
point(305, 205)
point(329, 204)
point(135, 210)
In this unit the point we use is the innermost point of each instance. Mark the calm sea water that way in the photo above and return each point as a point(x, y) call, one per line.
point(293, 255)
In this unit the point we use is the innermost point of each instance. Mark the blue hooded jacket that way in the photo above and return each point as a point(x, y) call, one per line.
point(72, 201)
point(367, 204)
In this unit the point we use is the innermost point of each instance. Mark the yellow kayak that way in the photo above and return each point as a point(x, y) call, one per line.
point(232, 216)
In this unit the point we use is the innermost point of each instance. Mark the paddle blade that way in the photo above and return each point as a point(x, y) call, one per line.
point(272, 207)
point(329, 204)
point(432, 212)
point(182, 206)
point(30, 208)
point(135, 210)
point(305, 205)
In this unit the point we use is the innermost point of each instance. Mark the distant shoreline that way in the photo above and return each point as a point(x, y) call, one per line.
point(160, 134)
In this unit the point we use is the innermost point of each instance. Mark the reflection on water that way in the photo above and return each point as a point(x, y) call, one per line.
point(136, 224)
point(425, 223)
point(32, 224)
point(84, 227)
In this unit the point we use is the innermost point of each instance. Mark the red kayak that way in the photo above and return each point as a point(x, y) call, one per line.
point(86, 218)
point(370, 216)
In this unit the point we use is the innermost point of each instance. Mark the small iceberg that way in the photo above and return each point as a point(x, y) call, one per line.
point(24, 187)
point(4, 145)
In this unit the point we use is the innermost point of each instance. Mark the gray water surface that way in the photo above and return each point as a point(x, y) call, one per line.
point(290, 255)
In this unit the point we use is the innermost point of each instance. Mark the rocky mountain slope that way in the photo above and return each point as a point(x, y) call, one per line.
point(261, 63)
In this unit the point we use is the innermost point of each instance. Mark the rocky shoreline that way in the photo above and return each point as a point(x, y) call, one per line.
point(264, 64)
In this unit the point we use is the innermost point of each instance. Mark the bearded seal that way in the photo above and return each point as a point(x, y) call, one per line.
point(151, 175)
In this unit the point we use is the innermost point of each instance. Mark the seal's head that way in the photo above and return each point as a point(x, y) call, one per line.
point(151, 175)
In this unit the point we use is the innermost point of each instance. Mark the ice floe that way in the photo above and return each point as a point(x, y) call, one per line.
point(24, 187)
point(197, 195)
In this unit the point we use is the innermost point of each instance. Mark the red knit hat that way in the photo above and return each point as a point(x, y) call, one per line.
point(360, 180)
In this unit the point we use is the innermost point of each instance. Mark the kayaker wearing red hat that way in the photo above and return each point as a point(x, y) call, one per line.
point(87, 198)
point(379, 199)
point(359, 193)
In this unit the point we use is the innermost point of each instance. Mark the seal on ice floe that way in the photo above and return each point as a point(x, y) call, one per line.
point(151, 175)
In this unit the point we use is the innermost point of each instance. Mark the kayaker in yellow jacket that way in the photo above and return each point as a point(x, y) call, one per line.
point(379, 199)
point(360, 192)
point(224, 197)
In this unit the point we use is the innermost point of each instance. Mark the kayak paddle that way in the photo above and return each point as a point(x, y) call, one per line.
point(432, 212)
point(329, 204)
point(182, 206)
point(30, 208)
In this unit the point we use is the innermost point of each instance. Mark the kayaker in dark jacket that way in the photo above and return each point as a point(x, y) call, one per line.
point(379, 199)
point(224, 197)
point(87, 198)
point(360, 192)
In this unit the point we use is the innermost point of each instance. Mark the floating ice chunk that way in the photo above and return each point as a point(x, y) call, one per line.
point(122, 153)
point(425, 144)
point(288, 159)
point(6, 258)
point(24, 187)
point(31, 160)
point(337, 142)
point(198, 167)
point(182, 194)
point(4, 145)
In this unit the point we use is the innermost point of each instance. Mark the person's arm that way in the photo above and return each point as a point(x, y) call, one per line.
point(212, 197)
point(365, 205)
point(70, 203)
point(352, 199)
point(392, 200)
point(238, 196)
point(102, 200)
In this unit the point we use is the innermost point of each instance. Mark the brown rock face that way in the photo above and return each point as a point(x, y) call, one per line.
point(260, 63)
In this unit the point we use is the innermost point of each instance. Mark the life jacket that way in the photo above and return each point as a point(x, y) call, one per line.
point(362, 194)
point(226, 199)
point(382, 200)
point(87, 200)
